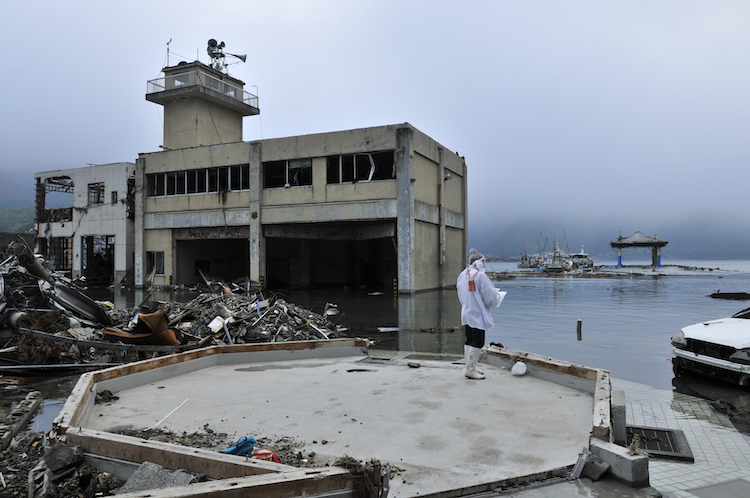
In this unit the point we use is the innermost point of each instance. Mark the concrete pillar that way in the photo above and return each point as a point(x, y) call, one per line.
point(619, 257)
point(139, 255)
point(256, 245)
point(657, 259)
point(405, 208)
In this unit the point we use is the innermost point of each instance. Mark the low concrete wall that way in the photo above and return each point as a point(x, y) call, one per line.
point(592, 380)
point(630, 469)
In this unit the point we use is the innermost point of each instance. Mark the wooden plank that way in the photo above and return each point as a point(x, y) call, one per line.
point(13, 424)
point(170, 456)
point(301, 482)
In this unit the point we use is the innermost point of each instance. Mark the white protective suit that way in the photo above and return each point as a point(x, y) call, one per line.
point(475, 305)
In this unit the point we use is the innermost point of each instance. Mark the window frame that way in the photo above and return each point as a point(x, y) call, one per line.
point(96, 192)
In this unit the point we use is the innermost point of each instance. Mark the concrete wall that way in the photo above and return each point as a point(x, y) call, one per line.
point(96, 219)
point(194, 122)
point(427, 274)
point(160, 240)
point(430, 212)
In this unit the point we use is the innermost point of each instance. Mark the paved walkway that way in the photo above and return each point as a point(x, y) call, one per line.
point(722, 454)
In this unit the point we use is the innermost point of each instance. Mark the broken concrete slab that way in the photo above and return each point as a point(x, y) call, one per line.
point(152, 476)
point(60, 456)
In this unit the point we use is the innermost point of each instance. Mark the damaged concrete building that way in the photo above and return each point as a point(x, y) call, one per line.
point(376, 207)
point(84, 221)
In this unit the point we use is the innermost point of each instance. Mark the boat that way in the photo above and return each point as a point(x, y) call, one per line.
point(581, 260)
point(556, 262)
point(526, 261)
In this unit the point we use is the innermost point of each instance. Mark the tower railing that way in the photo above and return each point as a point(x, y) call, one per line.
point(198, 78)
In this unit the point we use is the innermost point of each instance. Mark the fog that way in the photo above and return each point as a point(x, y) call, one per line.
point(629, 112)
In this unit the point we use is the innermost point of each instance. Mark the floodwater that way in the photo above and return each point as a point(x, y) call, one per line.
point(627, 322)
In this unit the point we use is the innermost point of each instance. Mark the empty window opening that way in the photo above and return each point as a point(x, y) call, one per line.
point(225, 259)
point(367, 167)
point(54, 199)
point(199, 181)
point(130, 199)
point(114, 197)
point(155, 262)
point(58, 251)
point(320, 263)
point(293, 173)
point(98, 259)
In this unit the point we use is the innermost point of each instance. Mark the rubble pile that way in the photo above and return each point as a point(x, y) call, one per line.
point(33, 468)
point(237, 319)
point(55, 323)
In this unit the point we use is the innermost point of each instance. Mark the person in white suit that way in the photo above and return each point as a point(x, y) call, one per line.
point(477, 294)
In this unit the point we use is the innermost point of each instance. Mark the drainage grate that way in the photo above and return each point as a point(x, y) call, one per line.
point(665, 443)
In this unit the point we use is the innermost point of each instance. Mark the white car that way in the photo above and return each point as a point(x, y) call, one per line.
point(719, 348)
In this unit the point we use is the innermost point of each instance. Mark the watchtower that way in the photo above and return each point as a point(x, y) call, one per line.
point(202, 104)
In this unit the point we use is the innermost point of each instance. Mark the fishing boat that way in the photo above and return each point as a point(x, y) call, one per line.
point(581, 260)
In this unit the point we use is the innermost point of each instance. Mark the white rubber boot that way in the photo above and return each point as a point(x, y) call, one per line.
point(471, 364)
point(466, 359)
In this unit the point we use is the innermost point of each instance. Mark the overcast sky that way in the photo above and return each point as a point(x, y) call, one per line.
point(608, 109)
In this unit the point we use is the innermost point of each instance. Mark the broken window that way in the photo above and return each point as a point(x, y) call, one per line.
point(59, 253)
point(213, 180)
point(239, 177)
point(130, 199)
point(54, 199)
point(360, 167)
point(299, 172)
point(98, 259)
point(180, 182)
point(171, 183)
point(155, 184)
point(293, 173)
point(155, 262)
point(114, 197)
point(96, 193)
point(198, 181)
point(223, 179)
point(274, 174)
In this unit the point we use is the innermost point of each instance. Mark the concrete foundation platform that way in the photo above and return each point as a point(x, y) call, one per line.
point(443, 431)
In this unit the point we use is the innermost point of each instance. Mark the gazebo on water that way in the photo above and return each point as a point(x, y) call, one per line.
point(639, 240)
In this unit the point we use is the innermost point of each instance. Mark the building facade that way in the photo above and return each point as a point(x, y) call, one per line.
point(92, 236)
point(376, 208)
point(357, 208)
point(373, 207)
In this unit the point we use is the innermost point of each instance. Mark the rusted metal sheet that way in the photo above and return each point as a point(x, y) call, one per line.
point(151, 328)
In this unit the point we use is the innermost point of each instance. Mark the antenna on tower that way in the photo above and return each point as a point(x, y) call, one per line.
point(218, 57)
point(170, 41)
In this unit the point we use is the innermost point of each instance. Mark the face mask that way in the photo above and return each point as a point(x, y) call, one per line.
point(479, 264)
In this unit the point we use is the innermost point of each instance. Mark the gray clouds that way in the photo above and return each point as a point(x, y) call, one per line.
point(604, 108)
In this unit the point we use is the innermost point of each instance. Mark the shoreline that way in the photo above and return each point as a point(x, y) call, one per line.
point(610, 271)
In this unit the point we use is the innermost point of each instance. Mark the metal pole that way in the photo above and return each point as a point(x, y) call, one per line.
point(578, 329)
